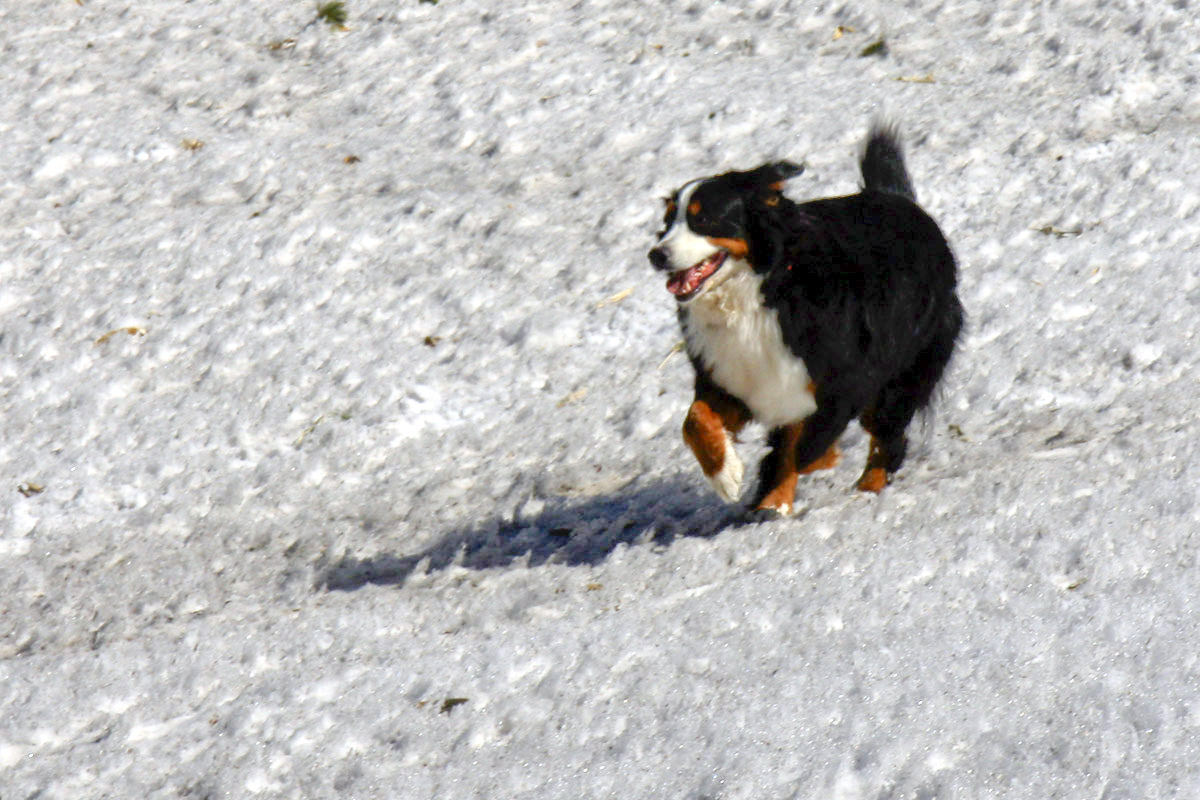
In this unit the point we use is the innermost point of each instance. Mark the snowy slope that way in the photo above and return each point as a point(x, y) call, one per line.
point(376, 489)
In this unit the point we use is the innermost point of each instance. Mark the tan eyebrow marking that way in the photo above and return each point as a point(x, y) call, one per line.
point(694, 207)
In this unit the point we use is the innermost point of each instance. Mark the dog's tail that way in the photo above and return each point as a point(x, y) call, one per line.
point(883, 162)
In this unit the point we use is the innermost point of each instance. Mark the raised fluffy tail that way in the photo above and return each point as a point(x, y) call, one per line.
point(883, 162)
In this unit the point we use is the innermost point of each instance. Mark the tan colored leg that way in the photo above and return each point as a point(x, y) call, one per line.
point(828, 461)
point(875, 476)
point(781, 496)
point(709, 430)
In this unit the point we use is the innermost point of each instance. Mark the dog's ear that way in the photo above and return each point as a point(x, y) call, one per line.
point(783, 170)
point(773, 175)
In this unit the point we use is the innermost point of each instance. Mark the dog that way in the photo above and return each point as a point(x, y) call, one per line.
point(805, 316)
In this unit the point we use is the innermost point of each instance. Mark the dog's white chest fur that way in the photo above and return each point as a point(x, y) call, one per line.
point(739, 340)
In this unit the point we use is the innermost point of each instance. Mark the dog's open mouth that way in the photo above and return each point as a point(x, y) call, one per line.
point(686, 282)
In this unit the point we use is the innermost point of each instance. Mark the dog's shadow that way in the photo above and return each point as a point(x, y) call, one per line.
point(571, 532)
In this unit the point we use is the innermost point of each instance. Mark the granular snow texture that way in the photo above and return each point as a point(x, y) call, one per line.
point(341, 450)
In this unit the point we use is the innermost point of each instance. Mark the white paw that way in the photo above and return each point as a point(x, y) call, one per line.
point(727, 482)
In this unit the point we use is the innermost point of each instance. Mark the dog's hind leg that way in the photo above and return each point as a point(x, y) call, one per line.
point(887, 422)
point(713, 420)
point(876, 475)
point(898, 403)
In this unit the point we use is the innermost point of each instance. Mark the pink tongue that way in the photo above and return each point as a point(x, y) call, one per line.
point(686, 280)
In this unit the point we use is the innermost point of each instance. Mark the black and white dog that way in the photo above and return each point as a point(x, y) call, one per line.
point(805, 316)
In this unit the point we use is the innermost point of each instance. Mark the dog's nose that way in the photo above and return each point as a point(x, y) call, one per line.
point(658, 257)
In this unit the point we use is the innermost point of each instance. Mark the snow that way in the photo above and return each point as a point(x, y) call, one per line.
point(333, 467)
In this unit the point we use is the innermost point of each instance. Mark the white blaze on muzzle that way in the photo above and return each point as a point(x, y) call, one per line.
point(691, 258)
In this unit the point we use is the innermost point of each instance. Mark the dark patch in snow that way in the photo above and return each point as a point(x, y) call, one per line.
point(573, 533)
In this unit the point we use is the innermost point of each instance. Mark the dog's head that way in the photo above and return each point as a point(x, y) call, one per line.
point(707, 223)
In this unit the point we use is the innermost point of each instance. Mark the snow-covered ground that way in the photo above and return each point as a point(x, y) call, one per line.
point(340, 448)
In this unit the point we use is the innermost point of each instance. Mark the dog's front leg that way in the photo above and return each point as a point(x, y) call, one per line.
point(779, 471)
point(712, 421)
point(777, 474)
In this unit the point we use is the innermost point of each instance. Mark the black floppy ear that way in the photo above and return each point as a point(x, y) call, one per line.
point(783, 170)
point(773, 175)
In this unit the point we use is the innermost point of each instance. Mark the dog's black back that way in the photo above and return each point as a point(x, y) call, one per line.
point(862, 285)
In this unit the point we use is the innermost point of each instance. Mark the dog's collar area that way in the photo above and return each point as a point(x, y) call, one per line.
point(685, 283)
